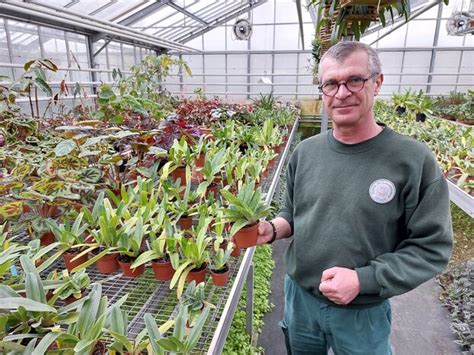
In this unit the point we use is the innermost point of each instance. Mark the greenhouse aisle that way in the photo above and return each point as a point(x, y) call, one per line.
point(420, 325)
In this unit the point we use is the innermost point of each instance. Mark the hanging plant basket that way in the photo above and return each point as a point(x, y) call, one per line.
point(345, 3)
point(355, 15)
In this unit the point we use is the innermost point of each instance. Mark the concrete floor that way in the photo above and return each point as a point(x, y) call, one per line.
point(420, 325)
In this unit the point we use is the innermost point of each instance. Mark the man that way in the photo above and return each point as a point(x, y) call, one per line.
point(368, 213)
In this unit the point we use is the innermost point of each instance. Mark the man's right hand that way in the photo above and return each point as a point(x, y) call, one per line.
point(265, 232)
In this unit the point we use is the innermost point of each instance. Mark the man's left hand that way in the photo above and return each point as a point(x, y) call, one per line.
point(340, 285)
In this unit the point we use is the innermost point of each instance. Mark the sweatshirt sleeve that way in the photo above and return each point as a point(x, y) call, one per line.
point(286, 211)
point(424, 253)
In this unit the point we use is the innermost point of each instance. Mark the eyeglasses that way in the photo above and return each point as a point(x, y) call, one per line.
point(353, 84)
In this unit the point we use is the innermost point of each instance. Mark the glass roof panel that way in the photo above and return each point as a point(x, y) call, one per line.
point(88, 6)
point(172, 19)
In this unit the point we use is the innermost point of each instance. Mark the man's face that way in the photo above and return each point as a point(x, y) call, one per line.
point(350, 108)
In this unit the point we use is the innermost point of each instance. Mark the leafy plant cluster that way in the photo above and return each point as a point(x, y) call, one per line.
point(341, 18)
point(238, 341)
point(457, 296)
point(457, 106)
point(452, 144)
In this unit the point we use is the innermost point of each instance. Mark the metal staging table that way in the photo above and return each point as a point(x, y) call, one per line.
point(245, 272)
point(148, 295)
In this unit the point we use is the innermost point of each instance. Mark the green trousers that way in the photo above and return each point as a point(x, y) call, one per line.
point(312, 326)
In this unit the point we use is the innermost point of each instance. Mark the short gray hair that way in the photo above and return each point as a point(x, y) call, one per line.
point(344, 49)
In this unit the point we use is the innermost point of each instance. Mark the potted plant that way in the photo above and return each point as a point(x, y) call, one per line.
point(244, 210)
point(39, 228)
point(86, 334)
point(118, 330)
point(160, 248)
point(194, 298)
point(182, 341)
point(72, 287)
point(111, 228)
point(192, 265)
point(181, 157)
point(129, 247)
point(219, 267)
point(421, 105)
point(70, 238)
point(185, 205)
point(214, 165)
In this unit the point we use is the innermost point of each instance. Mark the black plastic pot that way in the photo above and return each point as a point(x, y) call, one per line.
point(420, 117)
point(401, 110)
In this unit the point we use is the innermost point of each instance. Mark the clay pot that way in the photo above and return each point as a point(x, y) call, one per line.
point(200, 160)
point(197, 275)
point(221, 277)
point(99, 348)
point(70, 300)
point(70, 264)
point(108, 264)
point(47, 239)
point(179, 173)
point(128, 271)
point(196, 175)
point(162, 269)
point(235, 251)
point(247, 236)
point(185, 222)
point(213, 188)
point(49, 210)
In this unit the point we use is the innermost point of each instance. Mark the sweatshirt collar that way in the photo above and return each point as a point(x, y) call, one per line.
point(364, 146)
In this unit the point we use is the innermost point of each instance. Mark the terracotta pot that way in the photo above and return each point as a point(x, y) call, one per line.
point(70, 299)
point(179, 173)
point(198, 275)
point(49, 210)
point(99, 348)
point(220, 278)
point(247, 236)
point(196, 175)
point(213, 188)
point(200, 160)
point(129, 272)
point(235, 251)
point(185, 222)
point(108, 264)
point(163, 270)
point(47, 239)
point(70, 264)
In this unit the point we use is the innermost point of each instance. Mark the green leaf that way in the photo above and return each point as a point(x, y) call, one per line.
point(13, 303)
point(44, 86)
point(44, 344)
point(91, 174)
point(65, 147)
point(28, 64)
point(153, 333)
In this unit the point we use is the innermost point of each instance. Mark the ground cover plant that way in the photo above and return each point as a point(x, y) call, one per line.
point(457, 282)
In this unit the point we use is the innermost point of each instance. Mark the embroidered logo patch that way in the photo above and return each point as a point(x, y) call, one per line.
point(382, 191)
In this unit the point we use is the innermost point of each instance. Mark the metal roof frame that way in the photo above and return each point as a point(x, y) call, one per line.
point(227, 16)
point(60, 17)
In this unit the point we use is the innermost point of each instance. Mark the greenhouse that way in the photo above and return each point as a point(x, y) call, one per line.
point(216, 177)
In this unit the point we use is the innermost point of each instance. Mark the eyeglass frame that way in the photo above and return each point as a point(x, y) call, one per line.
point(342, 82)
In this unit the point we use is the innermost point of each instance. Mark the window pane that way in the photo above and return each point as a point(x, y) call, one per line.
point(24, 43)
